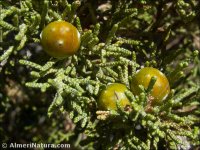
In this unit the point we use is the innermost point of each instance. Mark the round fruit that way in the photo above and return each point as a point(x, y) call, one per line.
point(60, 39)
point(113, 93)
point(160, 89)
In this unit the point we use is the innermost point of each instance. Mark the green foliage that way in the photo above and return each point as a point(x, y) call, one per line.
point(117, 39)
